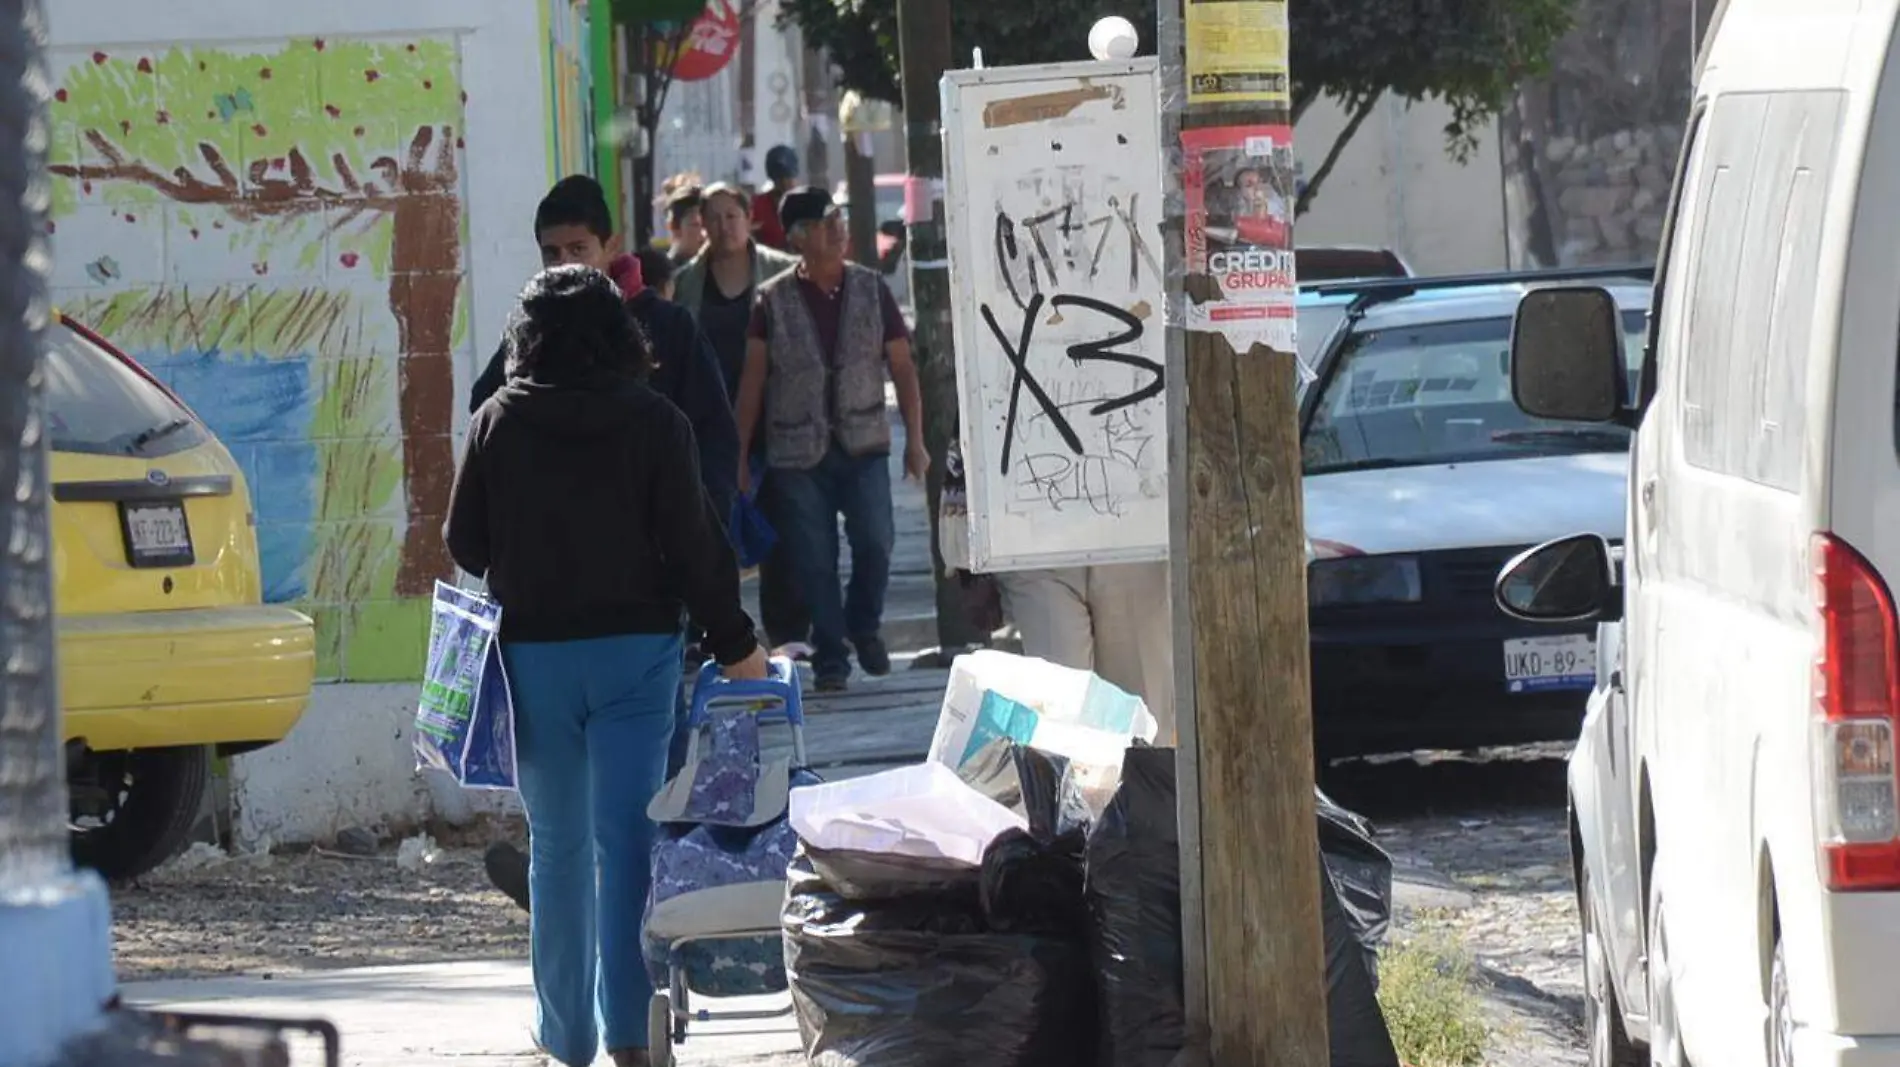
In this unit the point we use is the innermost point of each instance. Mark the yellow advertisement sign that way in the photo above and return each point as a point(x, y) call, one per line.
point(1236, 52)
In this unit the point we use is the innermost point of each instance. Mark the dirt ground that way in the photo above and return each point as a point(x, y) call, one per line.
point(314, 910)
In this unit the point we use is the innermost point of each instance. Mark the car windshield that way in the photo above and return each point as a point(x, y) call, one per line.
point(1316, 323)
point(97, 403)
point(1440, 392)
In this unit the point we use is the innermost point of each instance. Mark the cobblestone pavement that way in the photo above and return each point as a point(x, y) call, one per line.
point(1482, 859)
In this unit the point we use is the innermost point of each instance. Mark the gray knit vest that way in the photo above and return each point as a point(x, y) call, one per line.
point(800, 422)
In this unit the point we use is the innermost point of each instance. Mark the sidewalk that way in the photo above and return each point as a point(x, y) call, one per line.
point(482, 1012)
point(471, 1012)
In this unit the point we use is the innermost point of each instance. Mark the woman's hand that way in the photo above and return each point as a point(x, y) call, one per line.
point(753, 668)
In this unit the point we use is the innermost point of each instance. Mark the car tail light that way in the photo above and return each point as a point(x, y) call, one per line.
point(1857, 697)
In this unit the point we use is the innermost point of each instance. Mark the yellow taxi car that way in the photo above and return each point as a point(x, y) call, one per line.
point(167, 653)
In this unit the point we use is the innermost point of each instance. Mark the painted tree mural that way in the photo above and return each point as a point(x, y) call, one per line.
point(347, 152)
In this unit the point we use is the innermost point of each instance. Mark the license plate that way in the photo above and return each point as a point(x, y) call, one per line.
point(156, 535)
point(1538, 664)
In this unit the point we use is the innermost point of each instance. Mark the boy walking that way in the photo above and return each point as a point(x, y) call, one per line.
point(572, 225)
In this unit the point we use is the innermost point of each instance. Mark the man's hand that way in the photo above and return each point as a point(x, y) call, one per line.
point(753, 668)
point(916, 460)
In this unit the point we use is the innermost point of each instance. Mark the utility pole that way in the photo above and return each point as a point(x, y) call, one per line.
point(57, 974)
point(1250, 906)
point(925, 52)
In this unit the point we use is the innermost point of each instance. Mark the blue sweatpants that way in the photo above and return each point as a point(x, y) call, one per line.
point(593, 722)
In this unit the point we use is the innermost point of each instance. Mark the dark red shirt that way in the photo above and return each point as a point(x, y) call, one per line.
point(765, 223)
point(827, 313)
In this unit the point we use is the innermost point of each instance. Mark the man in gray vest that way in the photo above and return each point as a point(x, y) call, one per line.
point(824, 335)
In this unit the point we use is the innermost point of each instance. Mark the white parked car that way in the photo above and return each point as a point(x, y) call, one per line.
point(1422, 477)
point(1736, 810)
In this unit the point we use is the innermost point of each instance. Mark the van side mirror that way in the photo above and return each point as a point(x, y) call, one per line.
point(1566, 580)
point(1567, 355)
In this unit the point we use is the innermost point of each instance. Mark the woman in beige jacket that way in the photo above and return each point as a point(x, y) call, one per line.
point(717, 288)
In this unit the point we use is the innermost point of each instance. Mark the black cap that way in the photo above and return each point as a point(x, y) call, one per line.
point(807, 203)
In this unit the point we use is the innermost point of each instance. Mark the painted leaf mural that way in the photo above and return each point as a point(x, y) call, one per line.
point(278, 231)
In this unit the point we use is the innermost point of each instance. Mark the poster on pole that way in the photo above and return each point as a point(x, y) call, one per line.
point(1053, 175)
point(1236, 52)
point(1238, 184)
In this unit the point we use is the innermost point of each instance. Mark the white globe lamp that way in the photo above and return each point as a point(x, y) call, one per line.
point(1113, 37)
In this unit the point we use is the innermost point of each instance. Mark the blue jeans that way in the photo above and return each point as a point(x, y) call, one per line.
point(808, 504)
point(593, 721)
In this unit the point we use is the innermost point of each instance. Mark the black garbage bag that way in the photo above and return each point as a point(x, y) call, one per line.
point(1133, 888)
point(919, 979)
point(1361, 873)
point(1035, 887)
point(1032, 783)
point(1355, 1024)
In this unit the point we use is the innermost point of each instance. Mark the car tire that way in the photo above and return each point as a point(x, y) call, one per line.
point(1609, 1045)
point(156, 794)
point(1665, 1039)
point(1780, 1012)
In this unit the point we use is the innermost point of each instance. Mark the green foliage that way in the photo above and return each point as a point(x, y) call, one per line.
point(1426, 994)
point(1472, 54)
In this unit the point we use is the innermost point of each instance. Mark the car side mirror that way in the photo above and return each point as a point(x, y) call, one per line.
point(1567, 580)
point(1567, 355)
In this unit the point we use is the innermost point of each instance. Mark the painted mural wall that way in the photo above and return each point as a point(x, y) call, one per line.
point(570, 103)
point(277, 231)
point(269, 206)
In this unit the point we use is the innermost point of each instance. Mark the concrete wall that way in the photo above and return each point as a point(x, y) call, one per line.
point(348, 763)
point(1396, 188)
point(311, 220)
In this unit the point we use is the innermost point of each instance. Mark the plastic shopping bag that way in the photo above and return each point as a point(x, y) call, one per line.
point(752, 536)
point(465, 721)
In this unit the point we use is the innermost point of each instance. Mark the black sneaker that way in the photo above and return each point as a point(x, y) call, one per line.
point(832, 681)
point(873, 656)
point(507, 868)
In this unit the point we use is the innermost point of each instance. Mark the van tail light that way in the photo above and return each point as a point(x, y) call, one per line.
point(1857, 698)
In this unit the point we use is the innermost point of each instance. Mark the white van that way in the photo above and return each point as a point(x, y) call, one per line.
point(1736, 816)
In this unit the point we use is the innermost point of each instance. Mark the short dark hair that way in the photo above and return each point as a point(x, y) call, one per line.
point(656, 267)
point(684, 201)
point(781, 163)
point(571, 327)
point(729, 189)
point(576, 200)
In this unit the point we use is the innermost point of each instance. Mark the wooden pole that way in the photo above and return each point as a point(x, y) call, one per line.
point(1253, 949)
point(926, 52)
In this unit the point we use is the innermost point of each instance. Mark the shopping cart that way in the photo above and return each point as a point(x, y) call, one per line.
point(712, 921)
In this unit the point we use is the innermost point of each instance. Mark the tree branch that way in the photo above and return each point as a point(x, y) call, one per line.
point(268, 198)
point(1338, 149)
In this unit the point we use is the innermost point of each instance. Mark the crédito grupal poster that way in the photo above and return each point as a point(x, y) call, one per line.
point(1240, 199)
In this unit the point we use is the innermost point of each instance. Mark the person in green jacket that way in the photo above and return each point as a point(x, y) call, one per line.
point(718, 287)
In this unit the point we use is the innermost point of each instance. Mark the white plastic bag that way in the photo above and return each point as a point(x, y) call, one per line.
point(924, 811)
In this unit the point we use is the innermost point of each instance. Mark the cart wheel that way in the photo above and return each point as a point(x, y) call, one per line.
point(660, 1031)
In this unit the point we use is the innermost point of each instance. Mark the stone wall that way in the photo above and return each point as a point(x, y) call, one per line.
point(1590, 150)
point(1611, 193)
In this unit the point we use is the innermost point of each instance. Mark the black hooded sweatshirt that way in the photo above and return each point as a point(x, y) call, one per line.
point(583, 506)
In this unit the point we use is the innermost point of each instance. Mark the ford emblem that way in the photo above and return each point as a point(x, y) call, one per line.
point(158, 478)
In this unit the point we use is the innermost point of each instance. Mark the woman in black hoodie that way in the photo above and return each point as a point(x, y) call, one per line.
point(579, 498)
